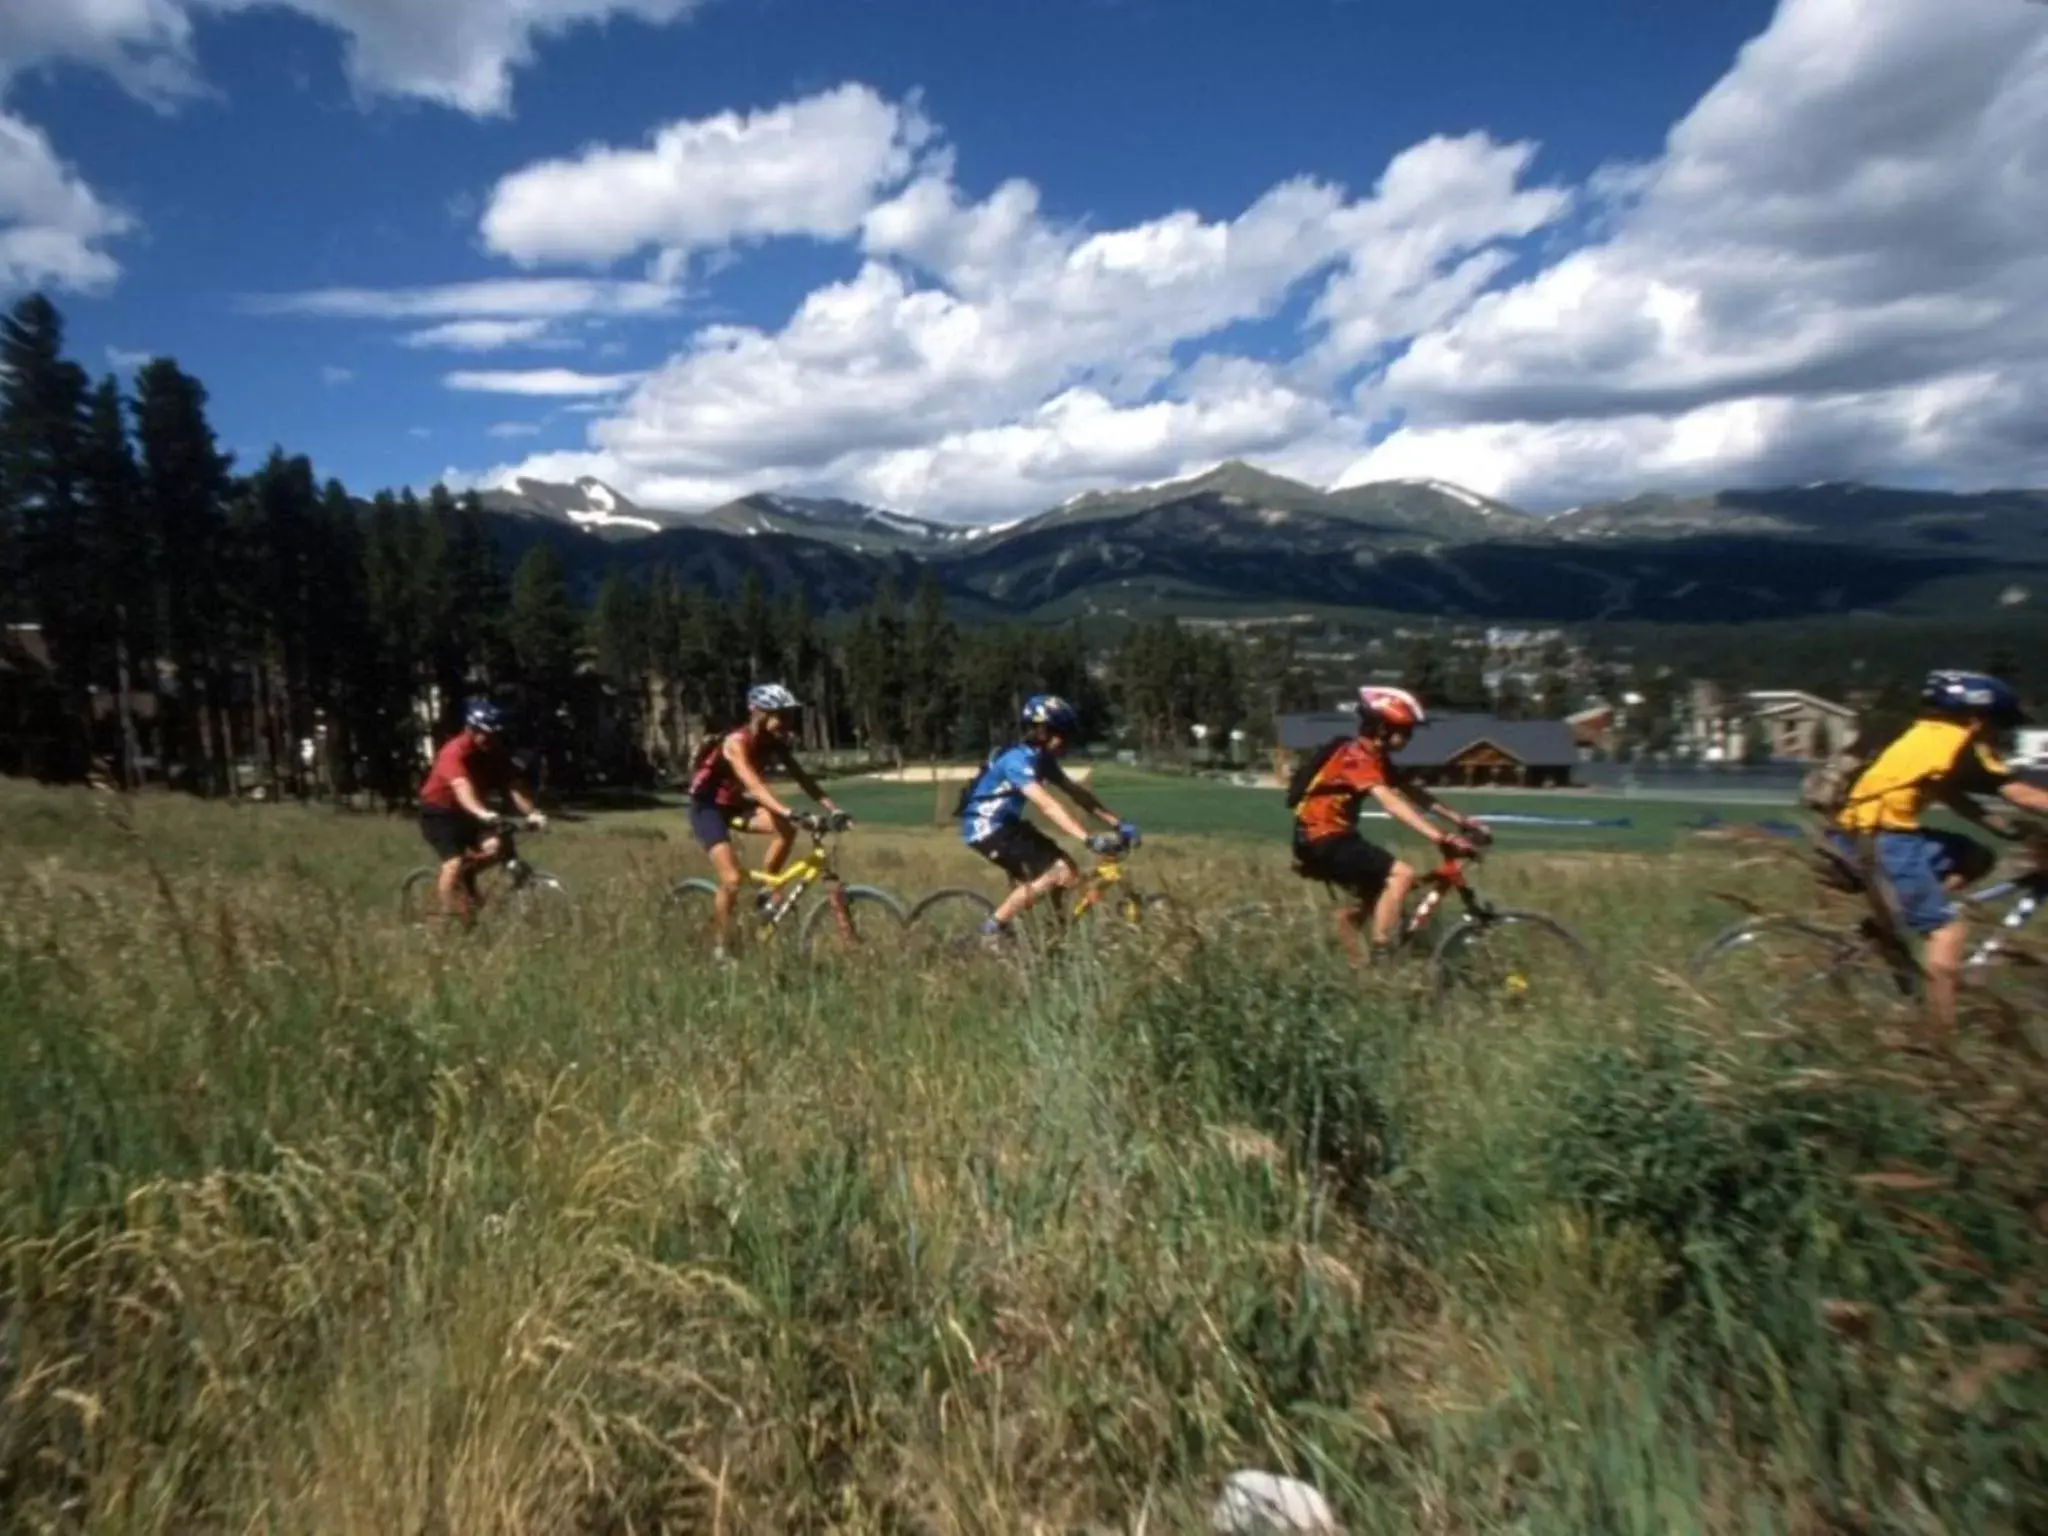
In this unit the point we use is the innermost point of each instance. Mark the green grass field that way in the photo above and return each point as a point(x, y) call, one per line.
point(1189, 806)
point(314, 1222)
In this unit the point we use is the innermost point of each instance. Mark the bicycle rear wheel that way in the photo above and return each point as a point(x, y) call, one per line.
point(947, 923)
point(540, 900)
point(854, 919)
point(1771, 964)
point(1509, 960)
point(418, 900)
point(687, 908)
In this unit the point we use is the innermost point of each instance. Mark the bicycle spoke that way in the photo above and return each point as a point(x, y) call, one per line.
point(1768, 965)
point(1508, 960)
point(947, 924)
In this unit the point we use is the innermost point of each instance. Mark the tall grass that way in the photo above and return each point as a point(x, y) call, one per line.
point(314, 1223)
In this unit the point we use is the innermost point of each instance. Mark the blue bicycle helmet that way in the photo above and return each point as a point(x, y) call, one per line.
point(1052, 712)
point(483, 715)
point(1972, 693)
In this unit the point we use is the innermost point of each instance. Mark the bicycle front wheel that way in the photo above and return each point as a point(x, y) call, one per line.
point(853, 919)
point(1512, 960)
point(540, 901)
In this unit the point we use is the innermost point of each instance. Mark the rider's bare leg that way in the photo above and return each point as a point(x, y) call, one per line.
point(783, 834)
point(725, 862)
point(455, 882)
point(1350, 920)
point(1061, 877)
point(1386, 912)
point(452, 887)
point(1942, 960)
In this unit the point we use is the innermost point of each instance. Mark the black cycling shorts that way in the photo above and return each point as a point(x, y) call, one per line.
point(1348, 861)
point(451, 834)
point(1020, 851)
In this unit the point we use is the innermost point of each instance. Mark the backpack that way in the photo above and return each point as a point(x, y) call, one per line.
point(1826, 788)
point(966, 796)
point(1306, 770)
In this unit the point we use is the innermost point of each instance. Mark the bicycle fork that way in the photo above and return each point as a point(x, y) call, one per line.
point(2015, 918)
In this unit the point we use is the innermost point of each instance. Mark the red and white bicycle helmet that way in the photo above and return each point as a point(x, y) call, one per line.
point(1394, 707)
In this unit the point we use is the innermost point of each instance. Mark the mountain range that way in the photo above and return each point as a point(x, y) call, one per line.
point(1241, 540)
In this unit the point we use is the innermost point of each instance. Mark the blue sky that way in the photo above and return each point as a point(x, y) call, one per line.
point(970, 258)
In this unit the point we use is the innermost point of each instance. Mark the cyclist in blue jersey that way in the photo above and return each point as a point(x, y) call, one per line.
point(1024, 773)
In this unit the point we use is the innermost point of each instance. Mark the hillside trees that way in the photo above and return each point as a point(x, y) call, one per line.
point(223, 629)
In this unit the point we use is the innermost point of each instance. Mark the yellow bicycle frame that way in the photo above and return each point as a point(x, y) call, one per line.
point(1106, 873)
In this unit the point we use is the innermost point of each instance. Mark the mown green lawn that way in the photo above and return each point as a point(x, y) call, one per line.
point(1168, 806)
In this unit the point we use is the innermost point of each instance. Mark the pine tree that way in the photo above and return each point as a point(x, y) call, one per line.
point(874, 669)
point(758, 643)
point(620, 649)
point(185, 490)
point(42, 426)
point(929, 646)
point(545, 631)
point(1423, 672)
point(390, 734)
point(342, 657)
point(109, 488)
point(282, 509)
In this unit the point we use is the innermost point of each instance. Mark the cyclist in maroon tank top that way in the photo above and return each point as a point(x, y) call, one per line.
point(729, 792)
point(470, 770)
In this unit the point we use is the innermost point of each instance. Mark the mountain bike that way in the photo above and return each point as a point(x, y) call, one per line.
point(851, 917)
point(1781, 962)
point(506, 882)
point(1489, 956)
point(948, 921)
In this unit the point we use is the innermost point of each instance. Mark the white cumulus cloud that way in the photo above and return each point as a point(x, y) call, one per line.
point(477, 335)
point(53, 227)
point(540, 382)
point(547, 298)
point(459, 53)
point(811, 167)
point(986, 357)
point(1837, 269)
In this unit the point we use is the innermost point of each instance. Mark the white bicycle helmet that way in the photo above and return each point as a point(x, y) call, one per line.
point(1395, 707)
point(771, 697)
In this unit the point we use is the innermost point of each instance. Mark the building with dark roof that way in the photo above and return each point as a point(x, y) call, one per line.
point(1455, 749)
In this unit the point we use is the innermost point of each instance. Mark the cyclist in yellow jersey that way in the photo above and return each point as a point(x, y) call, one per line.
point(1946, 756)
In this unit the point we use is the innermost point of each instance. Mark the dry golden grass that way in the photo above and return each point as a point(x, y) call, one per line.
point(314, 1222)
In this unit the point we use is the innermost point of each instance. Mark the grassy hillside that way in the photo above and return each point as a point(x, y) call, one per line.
point(312, 1223)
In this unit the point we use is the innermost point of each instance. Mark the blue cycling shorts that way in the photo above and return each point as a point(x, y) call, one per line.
point(1915, 865)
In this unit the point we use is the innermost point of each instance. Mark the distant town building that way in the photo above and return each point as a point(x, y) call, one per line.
point(1468, 749)
point(1781, 723)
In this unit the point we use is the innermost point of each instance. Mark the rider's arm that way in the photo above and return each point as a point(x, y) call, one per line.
point(1050, 808)
point(1403, 810)
point(467, 797)
point(1084, 797)
point(807, 784)
point(750, 779)
point(2025, 796)
point(1432, 806)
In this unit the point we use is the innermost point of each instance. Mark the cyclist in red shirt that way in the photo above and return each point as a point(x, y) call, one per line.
point(729, 792)
point(471, 769)
point(1327, 846)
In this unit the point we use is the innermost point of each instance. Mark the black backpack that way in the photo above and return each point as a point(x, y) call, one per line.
point(966, 795)
point(1306, 770)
